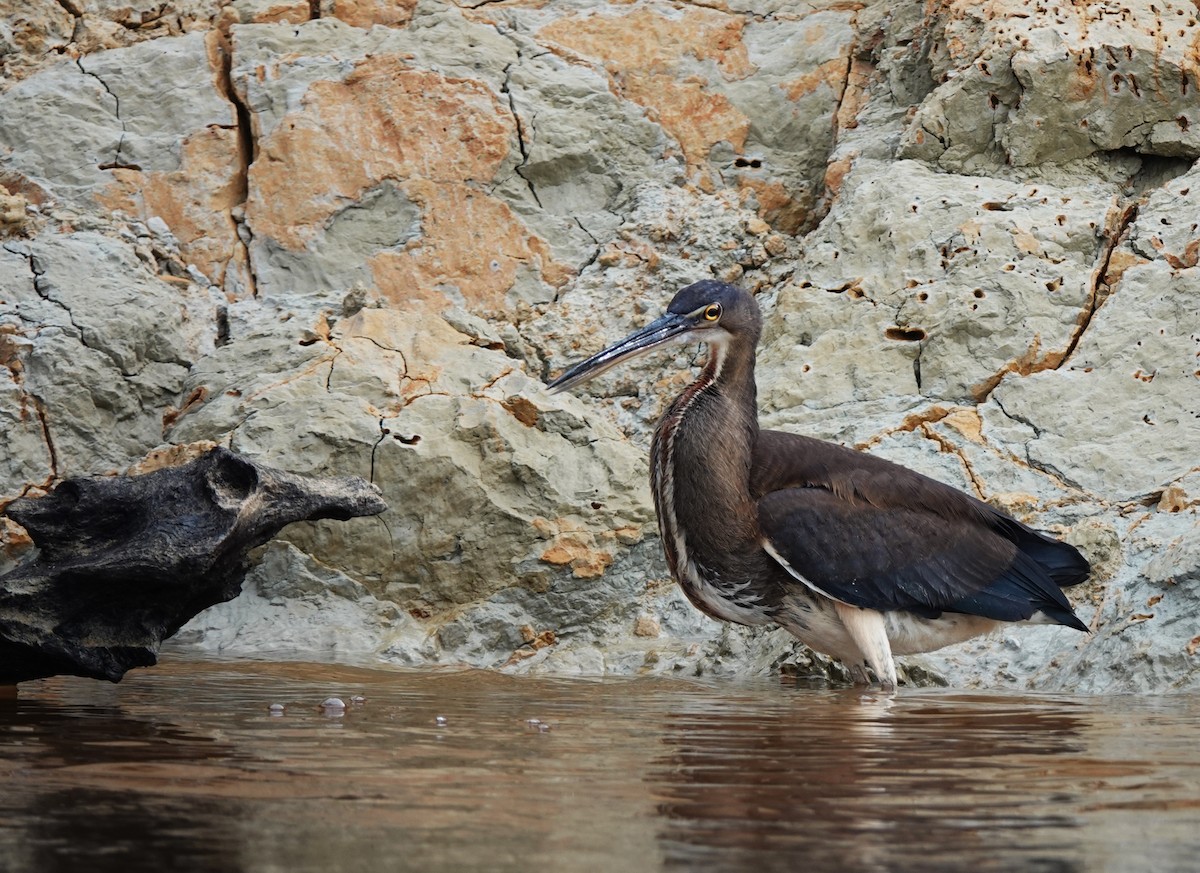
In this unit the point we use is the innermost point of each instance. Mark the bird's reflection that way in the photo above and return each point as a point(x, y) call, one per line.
point(847, 781)
point(89, 826)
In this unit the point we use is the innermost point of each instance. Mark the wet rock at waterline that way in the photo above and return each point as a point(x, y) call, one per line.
point(123, 562)
point(969, 227)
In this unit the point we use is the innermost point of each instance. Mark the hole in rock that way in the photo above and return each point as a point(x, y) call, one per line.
point(905, 334)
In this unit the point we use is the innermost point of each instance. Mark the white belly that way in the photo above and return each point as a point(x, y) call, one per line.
point(815, 623)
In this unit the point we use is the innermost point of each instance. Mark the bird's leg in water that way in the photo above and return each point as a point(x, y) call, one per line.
point(866, 628)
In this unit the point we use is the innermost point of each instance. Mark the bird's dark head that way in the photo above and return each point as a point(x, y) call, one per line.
point(724, 310)
point(713, 312)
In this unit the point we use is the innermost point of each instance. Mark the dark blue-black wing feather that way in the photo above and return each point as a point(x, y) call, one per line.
point(873, 534)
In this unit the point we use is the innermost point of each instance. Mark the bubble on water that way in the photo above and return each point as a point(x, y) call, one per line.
point(533, 721)
point(358, 700)
point(440, 721)
point(275, 709)
point(333, 705)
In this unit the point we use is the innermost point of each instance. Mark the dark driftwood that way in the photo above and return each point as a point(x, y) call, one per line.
point(124, 562)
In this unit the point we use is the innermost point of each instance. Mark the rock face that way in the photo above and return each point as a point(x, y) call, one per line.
point(354, 237)
point(124, 562)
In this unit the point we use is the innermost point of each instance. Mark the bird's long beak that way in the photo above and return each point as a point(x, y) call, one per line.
point(656, 333)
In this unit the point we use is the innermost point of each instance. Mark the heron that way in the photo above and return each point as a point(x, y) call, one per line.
point(857, 557)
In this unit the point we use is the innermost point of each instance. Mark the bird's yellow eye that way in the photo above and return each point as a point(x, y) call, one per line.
point(712, 312)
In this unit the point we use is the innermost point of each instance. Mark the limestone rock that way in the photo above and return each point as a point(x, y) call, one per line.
point(96, 132)
point(93, 345)
point(1058, 83)
point(358, 244)
point(408, 400)
point(14, 219)
point(107, 109)
point(37, 33)
point(291, 604)
point(31, 31)
point(741, 103)
point(925, 310)
point(1121, 419)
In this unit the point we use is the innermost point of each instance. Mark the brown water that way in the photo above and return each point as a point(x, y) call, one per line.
point(183, 767)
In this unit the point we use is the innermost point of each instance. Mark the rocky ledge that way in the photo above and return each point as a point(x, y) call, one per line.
point(354, 236)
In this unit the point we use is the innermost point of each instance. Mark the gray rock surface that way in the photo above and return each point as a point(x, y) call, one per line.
point(359, 244)
point(1057, 85)
point(97, 354)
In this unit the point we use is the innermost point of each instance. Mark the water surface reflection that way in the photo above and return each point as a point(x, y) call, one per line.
point(100, 804)
point(850, 781)
point(183, 766)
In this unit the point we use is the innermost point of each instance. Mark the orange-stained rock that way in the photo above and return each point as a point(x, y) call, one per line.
point(15, 542)
point(194, 200)
point(832, 74)
point(695, 116)
point(1118, 262)
point(278, 12)
point(646, 52)
point(1175, 499)
point(13, 218)
point(471, 244)
point(195, 197)
point(383, 121)
point(170, 456)
point(522, 410)
point(966, 421)
point(368, 13)
point(578, 550)
point(405, 353)
point(35, 30)
point(648, 40)
point(777, 205)
point(646, 626)
point(573, 545)
point(835, 173)
point(854, 93)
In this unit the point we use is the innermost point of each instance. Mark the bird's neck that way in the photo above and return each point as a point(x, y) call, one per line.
point(703, 449)
point(721, 402)
point(730, 369)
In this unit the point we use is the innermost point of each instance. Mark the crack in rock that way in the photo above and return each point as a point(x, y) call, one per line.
point(930, 415)
point(1114, 235)
point(522, 145)
point(40, 288)
point(116, 162)
point(247, 153)
point(30, 397)
point(383, 435)
point(39, 407)
point(1117, 223)
point(595, 253)
point(946, 446)
point(1055, 475)
point(1037, 431)
point(332, 363)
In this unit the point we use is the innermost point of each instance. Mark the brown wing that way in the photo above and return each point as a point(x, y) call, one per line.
point(873, 534)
